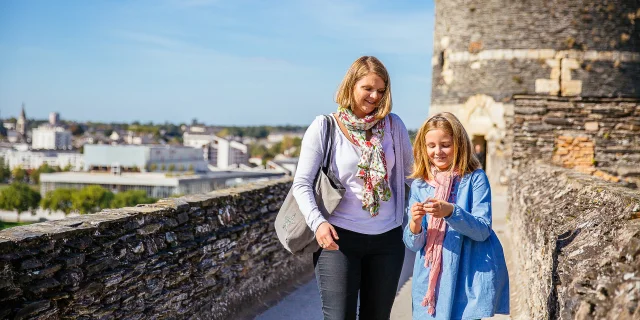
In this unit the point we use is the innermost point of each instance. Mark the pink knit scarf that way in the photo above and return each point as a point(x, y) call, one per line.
point(443, 181)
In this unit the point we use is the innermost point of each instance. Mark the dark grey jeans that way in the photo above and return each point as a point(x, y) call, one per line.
point(368, 264)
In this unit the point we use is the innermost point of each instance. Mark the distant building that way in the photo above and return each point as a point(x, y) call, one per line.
point(132, 138)
point(9, 125)
point(276, 137)
point(33, 159)
point(54, 119)
point(157, 185)
point(22, 125)
point(47, 137)
point(219, 152)
point(143, 158)
point(228, 153)
point(283, 164)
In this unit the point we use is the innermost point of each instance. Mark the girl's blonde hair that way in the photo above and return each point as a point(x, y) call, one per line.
point(464, 161)
point(358, 70)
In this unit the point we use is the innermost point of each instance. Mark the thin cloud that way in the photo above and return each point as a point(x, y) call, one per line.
point(154, 40)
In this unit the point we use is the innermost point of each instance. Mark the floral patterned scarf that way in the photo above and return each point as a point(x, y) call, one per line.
point(436, 229)
point(372, 167)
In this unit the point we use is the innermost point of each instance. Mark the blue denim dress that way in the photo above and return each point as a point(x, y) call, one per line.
point(474, 282)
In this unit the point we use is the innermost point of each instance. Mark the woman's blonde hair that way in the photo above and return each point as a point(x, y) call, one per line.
point(358, 70)
point(464, 161)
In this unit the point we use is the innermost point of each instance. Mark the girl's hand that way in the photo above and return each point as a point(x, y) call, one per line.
point(325, 235)
point(417, 213)
point(438, 208)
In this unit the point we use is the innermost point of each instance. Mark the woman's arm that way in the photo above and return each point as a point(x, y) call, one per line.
point(311, 156)
point(477, 223)
point(407, 149)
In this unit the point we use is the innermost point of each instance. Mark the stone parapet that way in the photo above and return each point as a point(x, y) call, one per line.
point(577, 245)
point(198, 257)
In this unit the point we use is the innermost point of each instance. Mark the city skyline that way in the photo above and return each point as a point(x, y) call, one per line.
point(230, 64)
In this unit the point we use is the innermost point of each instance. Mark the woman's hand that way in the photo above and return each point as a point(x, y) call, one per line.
point(417, 213)
point(325, 235)
point(438, 208)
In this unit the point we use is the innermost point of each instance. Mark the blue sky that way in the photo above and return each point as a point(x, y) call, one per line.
point(219, 61)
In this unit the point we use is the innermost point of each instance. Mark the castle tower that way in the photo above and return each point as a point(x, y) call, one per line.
point(487, 51)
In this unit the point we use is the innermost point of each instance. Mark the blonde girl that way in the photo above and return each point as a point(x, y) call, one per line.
point(460, 270)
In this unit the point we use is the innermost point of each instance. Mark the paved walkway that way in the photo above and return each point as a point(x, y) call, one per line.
point(304, 303)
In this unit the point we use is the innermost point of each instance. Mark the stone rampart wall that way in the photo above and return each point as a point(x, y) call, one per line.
point(577, 245)
point(197, 257)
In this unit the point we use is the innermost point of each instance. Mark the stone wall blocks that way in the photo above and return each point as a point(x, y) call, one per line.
point(71, 277)
point(32, 309)
point(178, 204)
point(101, 264)
point(127, 254)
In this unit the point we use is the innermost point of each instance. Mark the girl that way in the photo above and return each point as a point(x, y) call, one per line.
point(460, 271)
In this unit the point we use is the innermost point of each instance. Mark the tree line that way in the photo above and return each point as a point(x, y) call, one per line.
point(20, 197)
point(289, 146)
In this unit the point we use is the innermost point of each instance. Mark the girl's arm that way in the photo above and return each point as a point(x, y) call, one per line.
point(477, 223)
point(414, 242)
point(311, 155)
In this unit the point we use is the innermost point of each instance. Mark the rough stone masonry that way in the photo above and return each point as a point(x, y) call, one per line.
point(196, 257)
point(577, 245)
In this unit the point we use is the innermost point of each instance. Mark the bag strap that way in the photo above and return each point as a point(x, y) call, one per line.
point(328, 141)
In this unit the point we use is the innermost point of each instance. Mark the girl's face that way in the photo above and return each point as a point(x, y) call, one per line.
point(439, 148)
point(367, 94)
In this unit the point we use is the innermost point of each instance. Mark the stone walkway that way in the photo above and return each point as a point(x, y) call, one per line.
point(304, 303)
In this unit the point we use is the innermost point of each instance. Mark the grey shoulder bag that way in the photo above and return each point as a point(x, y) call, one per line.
point(291, 227)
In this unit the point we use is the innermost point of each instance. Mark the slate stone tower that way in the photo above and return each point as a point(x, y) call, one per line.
point(487, 51)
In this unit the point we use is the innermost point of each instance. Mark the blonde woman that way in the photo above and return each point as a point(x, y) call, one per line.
point(361, 242)
point(460, 270)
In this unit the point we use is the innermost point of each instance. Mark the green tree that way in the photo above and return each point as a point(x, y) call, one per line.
point(76, 129)
point(58, 199)
point(191, 167)
point(172, 167)
point(35, 174)
point(67, 168)
point(19, 197)
point(19, 174)
point(130, 198)
point(5, 172)
point(91, 199)
point(153, 167)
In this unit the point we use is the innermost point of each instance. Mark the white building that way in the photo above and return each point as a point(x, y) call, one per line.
point(143, 158)
point(132, 138)
point(157, 185)
point(33, 159)
point(219, 152)
point(54, 119)
point(283, 164)
point(47, 137)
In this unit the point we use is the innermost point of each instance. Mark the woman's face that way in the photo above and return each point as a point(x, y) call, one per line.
point(367, 94)
point(439, 148)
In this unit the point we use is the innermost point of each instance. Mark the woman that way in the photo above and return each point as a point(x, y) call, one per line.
point(361, 242)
